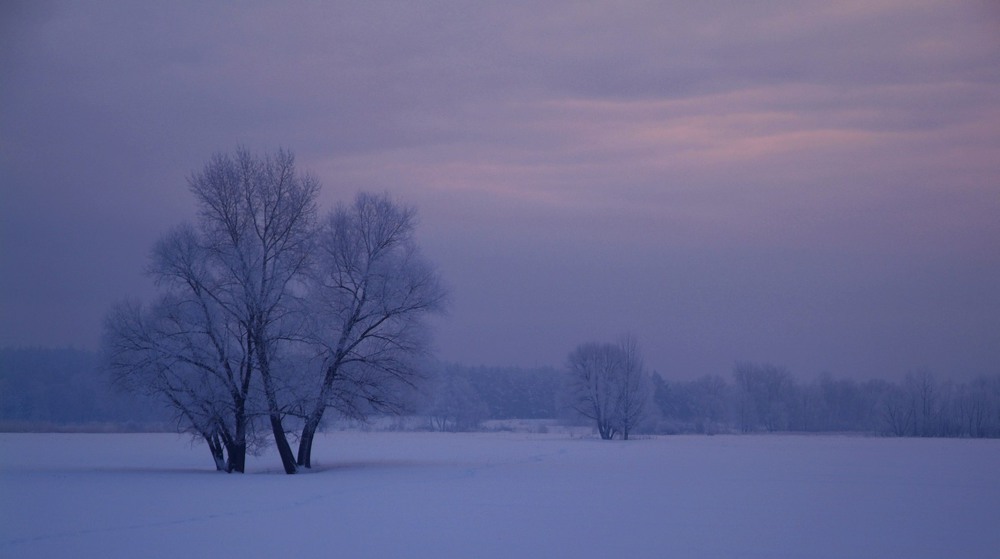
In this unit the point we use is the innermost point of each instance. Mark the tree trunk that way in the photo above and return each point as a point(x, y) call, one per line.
point(218, 455)
point(309, 433)
point(278, 430)
point(274, 413)
point(305, 443)
point(314, 419)
point(281, 441)
point(607, 432)
point(237, 446)
point(237, 457)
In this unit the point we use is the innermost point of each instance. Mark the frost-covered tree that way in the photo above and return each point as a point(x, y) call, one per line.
point(896, 411)
point(369, 293)
point(607, 384)
point(176, 353)
point(975, 407)
point(590, 385)
point(229, 285)
point(258, 292)
point(633, 387)
point(765, 396)
point(256, 215)
point(187, 349)
point(452, 404)
point(922, 394)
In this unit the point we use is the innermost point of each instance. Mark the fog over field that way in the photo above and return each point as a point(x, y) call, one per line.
point(505, 495)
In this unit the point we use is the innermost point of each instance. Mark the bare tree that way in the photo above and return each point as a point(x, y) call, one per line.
point(710, 402)
point(256, 286)
point(764, 395)
point(256, 219)
point(592, 371)
point(897, 411)
point(166, 352)
point(452, 404)
point(974, 407)
point(369, 293)
point(186, 348)
point(633, 387)
point(607, 384)
point(922, 391)
point(229, 284)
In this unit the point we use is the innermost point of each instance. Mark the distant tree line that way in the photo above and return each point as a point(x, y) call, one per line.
point(461, 398)
point(65, 390)
point(754, 398)
point(767, 398)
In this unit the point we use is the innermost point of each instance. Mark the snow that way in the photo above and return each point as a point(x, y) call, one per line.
point(383, 494)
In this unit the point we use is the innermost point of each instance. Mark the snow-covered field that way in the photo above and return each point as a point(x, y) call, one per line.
point(504, 495)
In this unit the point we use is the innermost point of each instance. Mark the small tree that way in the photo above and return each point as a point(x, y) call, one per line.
point(765, 394)
point(974, 403)
point(452, 404)
point(633, 388)
point(607, 384)
point(897, 411)
point(923, 394)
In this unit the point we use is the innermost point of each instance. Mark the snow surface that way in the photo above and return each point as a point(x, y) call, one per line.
point(505, 495)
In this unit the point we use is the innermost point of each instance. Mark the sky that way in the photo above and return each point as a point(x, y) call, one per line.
point(810, 184)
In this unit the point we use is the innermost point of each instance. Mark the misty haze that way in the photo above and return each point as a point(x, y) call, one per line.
point(561, 279)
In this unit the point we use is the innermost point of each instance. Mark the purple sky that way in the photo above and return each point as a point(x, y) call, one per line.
point(811, 184)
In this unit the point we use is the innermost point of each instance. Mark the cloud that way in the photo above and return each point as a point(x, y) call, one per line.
point(693, 168)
